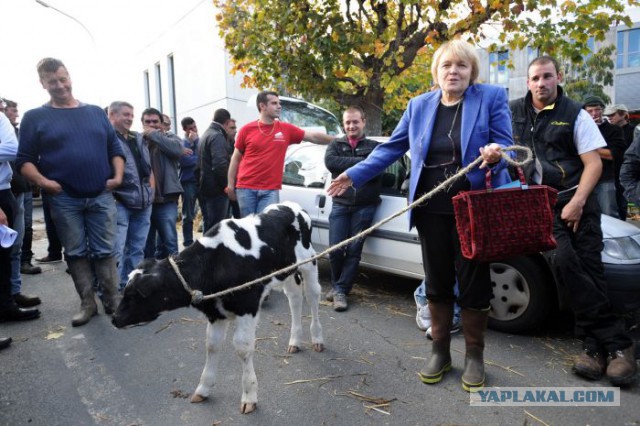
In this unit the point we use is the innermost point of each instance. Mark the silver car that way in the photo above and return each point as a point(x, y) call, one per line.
point(525, 288)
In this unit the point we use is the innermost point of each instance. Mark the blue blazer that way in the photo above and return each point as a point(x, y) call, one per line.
point(486, 118)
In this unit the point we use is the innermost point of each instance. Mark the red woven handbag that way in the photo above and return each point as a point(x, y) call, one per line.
point(495, 224)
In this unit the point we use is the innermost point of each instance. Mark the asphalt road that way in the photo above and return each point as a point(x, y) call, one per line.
point(54, 374)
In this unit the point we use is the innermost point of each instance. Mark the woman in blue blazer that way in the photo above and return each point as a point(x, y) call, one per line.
point(447, 129)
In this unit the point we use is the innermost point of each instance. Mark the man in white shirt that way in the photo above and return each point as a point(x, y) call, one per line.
point(565, 141)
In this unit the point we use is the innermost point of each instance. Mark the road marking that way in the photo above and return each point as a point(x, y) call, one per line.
point(99, 391)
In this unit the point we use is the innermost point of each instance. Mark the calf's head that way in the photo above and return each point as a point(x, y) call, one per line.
point(152, 288)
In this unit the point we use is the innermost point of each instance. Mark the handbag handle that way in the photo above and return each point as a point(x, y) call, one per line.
point(489, 186)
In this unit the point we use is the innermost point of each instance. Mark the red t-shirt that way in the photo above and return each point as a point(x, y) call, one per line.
point(263, 149)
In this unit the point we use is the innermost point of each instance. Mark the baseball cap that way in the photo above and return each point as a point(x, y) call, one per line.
point(593, 100)
point(612, 109)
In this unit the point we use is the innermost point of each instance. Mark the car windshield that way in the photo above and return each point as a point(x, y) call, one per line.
point(310, 117)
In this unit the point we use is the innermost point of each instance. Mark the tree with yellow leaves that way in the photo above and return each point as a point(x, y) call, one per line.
point(376, 54)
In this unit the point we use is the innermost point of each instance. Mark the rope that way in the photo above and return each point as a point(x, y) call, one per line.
point(443, 186)
point(196, 295)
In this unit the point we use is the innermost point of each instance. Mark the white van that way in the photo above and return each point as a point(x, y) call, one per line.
point(305, 115)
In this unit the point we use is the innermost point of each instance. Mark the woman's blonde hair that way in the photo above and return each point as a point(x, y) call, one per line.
point(460, 49)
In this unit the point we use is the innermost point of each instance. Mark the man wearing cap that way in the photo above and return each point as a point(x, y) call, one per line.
point(613, 136)
point(618, 115)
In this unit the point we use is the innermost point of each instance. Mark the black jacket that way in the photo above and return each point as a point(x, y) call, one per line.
point(614, 137)
point(213, 165)
point(549, 134)
point(630, 173)
point(339, 157)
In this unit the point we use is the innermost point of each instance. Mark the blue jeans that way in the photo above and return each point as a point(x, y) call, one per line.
point(27, 241)
point(217, 209)
point(16, 249)
point(345, 222)
point(189, 198)
point(607, 198)
point(55, 246)
point(254, 201)
point(9, 207)
point(133, 229)
point(86, 226)
point(421, 294)
point(163, 222)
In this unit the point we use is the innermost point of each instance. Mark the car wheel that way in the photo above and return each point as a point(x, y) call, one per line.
point(521, 298)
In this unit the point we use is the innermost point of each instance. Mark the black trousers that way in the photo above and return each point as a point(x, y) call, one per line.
point(443, 262)
point(579, 264)
point(9, 207)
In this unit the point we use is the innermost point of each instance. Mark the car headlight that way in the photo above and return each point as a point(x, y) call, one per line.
point(625, 249)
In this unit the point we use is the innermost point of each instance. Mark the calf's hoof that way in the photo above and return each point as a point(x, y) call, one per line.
point(195, 399)
point(248, 407)
point(293, 350)
point(318, 347)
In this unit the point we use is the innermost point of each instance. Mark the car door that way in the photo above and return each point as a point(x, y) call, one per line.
point(303, 181)
point(393, 247)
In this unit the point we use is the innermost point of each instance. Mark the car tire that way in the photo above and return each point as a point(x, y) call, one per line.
point(522, 298)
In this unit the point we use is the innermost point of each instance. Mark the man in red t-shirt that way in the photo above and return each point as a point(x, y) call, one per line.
point(255, 171)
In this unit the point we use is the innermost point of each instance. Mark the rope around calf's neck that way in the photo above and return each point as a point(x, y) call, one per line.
point(443, 186)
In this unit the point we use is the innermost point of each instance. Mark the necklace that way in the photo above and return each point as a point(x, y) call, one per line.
point(453, 123)
point(267, 134)
point(451, 103)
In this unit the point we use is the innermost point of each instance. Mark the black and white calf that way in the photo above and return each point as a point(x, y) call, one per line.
point(231, 253)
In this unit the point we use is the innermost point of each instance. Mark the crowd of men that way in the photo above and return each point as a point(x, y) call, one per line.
point(111, 195)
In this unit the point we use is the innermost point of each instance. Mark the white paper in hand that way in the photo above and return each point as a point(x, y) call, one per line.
point(7, 236)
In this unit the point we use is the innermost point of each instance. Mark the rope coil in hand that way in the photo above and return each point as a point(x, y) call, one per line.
point(441, 187)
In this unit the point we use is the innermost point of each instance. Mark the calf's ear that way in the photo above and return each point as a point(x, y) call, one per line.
point(141, 291)
point(146, 264)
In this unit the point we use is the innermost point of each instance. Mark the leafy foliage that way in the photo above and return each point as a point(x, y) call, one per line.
point(583, 79)
point(377, 53)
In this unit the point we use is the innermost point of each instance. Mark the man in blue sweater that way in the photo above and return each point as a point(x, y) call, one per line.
point(70, 150)
point(188, 180)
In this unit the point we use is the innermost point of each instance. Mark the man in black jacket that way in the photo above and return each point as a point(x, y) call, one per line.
point(353, 211)
point(566, 142)
point(614, 137)
point(215, 154)
point(618, 115)
point(630, 172)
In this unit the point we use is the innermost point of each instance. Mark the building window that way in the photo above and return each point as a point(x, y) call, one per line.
point(498, 71)
point(633, 51)
point(628, 46)
point(158, 86)
point(172, 90)
point(532, 53)
point(620, 50)
point(591, 44)
point(147, 89)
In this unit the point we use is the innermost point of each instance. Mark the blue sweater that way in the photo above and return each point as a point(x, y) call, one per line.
point(72, 146)
point(188, 162)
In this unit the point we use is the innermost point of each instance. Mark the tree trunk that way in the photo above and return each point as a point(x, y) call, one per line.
point(372, 105)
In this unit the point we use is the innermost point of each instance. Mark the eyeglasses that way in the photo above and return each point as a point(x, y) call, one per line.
point(166, 124)
point(453, 144)
point(151, 121)
point(453, 155)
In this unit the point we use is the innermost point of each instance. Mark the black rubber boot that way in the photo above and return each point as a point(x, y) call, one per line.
point(82, 274)
point(440, 361)
point(107, 275)
point(474, 324)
